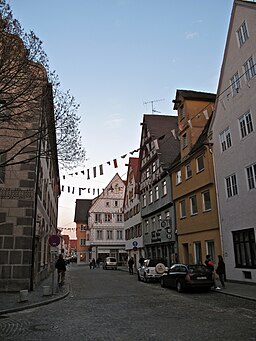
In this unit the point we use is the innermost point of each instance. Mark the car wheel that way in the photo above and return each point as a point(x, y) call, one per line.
point(145, 278)
point(179, 286)
point(162, 282)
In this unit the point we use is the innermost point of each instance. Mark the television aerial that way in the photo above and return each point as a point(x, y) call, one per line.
point(152, 104)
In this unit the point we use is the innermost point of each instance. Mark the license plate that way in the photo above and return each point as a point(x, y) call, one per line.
point(202, 277)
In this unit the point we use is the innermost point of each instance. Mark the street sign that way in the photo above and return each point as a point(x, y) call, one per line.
point(54, 240)
point(54, 250)
point(135, 243)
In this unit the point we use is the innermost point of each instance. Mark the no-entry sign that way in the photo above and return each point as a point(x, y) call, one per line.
point(54, 240)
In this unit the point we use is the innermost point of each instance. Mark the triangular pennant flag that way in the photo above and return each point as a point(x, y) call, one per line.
point(82, 172)
point(63, 177)
point(123, 156)
point(71, 174)
point(94, 172)
point(101, 169)
point(88, 174)
point(156, 144)
point(73, 190)
point(161, 137)
point(205, 112)
point(174, 133)
point(109, 163)
point(190, 123)
point(76, 173)
point(115, 163)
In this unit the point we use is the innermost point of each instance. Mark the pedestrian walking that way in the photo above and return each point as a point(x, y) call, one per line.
point(90, 263)
point(61, 268)
point(210, 265)
point(98, 262)
point(130, 265)
point(220, 271)
point(93, 263)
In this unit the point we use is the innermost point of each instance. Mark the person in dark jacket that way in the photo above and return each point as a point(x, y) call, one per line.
point(130, 265)
point(221, 270)
point(61, 267)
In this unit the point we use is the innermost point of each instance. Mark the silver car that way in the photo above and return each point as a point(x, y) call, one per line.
point(110, 263)
point(152, 269)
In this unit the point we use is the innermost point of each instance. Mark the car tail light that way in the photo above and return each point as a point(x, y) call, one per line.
point(187, 277)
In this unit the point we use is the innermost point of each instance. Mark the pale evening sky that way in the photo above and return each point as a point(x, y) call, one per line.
point(114, 55)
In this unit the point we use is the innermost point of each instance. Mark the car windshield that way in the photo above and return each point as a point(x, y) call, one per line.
point(154, 262)
point(197, 268)
point(112, 260)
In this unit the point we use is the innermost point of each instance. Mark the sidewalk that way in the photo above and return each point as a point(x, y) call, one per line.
point(10, 302)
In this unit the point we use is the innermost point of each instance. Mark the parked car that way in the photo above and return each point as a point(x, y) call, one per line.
point(109, 263)
point(152, 269)
point(184, 276)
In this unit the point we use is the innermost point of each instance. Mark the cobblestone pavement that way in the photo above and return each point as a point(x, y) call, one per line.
point(113, 305)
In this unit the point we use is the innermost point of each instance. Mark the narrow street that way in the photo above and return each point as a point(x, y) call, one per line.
point(113, 305)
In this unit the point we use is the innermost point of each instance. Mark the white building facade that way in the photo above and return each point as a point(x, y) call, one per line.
point(234, 144)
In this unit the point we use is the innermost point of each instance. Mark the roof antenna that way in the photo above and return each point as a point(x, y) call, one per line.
point(152, 104)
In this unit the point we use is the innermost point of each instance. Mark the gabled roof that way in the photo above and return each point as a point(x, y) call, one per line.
point(161, 128)
point(82, 210)
point(193, 95)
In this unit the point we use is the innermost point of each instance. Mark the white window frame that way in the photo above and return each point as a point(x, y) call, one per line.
point(249, 69)
point(144, 200)
point(153, 223)
point(205, 209)
point(150, 193)
point(164, 187)
point(107, 217)
point(251, 176)
point(201, 157)
point(83, 227)
point(193, 205)
point(99, 235)
point(242, 34)
point(146, 226)
point(154, 167)
point(178, 177)
point(119, 218)
point(97, 217)
point(82, 242)
point(183, 213)
point(157, 192)
point(225, 139)
point(109, 235)
point(119, 235)
point(188, 171)
point(246, 124)
point(235, 84)
point(231, 185)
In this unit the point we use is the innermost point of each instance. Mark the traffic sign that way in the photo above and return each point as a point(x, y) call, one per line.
point(54, 240)
point(135, 243)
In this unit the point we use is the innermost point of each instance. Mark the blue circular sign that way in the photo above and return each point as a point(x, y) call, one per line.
point(135, 243)
point(54, 240)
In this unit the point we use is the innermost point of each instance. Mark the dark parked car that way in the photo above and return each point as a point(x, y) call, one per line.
point(185, 276)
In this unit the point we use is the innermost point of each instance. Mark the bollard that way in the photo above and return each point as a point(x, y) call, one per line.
point(23, 295)
point(47, 290)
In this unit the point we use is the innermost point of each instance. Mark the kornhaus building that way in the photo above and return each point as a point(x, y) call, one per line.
point(159, 146)
point(106, 222)
point(233, 135)
point(29, 175)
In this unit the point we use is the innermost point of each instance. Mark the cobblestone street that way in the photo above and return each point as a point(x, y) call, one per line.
point(113, 305)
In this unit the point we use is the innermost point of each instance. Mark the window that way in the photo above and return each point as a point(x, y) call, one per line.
point(116, 203)
point(200, 163)
point(147, 173)
point(188, 171)
point(99, 235)
point(144, 200)
point(225, 139)
point(164, 187)
point(193, 205)
point(108, 217)
point(167, 215)
point(235, 84)
point(159, 220)
point(198, 252)
point(157, 192)
point(119, 235)
point(82, 242)
point(246, 126)
point(153, 223)
point(109, 234)
point(251, 176)
point(231, 186)
point(97, 217)
point(182, 209)
point(154, 167)
point(182, 112)
point(178, 177)
point(150, 196)
point(184, 140)
point(119, 218)
point(245, 248)
point(242, 34)
point(146, 226)
point(210, 249)
point(249, 69)
point(83, 227)
point(2, 168)
point(206, 200)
